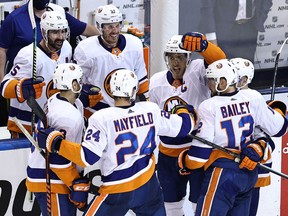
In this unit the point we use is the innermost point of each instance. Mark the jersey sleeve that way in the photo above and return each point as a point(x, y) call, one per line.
point(175, 125)
point(199, 152)
point(212, 53)
point(273, 123)
point(22, 69)
point(90, 151)
point(63, 168)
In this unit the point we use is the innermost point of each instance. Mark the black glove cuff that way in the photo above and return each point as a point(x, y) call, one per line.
point(57, 144)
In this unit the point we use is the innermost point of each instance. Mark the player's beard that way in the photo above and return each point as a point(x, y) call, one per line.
point(56, 44)
point(110, 40)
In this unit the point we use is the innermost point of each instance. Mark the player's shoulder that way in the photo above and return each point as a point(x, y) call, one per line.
point(66, 45)
point(210, 103)
point(197, 62)
point(158, 76)
point(132, 41)
point(85, 45)
point(103, 114)
point(195, 68)
point(147, 105)
point(88, 42)
point(55, 105)
point(158, 80)
point(66, 48)
point(25, 52)
point(130, 37)
point(251, 93)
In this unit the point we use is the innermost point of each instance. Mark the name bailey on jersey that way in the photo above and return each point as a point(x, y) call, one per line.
point(133, 121)
point(235, 109)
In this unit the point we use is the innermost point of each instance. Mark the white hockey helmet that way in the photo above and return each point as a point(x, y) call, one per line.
point(107, 14)
point(222, 68)
point(244, 68)
point(172, 46)
point(55, 7)
point(65, 74)
point(53, 20)
point(124, 83)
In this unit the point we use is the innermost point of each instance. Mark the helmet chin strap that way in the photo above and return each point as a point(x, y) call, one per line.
point(47, 46)
point(76, 92)
point(220, 91)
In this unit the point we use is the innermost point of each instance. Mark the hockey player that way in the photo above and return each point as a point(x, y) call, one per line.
point(100, 56)
point(183, 83)
point(18, 84)
point(228, 119)
point(21, 35)
point(64, 112)
point(245, 73)
point(16, 32)
point(123, 138)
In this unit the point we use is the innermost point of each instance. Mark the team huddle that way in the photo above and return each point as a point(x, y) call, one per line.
point(102, 108)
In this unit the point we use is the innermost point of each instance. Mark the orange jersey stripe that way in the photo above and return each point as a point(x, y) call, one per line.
point(9, 91)
point(192, 164)
point(208, 200)
point(143, 87)
point(130, 185)
point(212, 53)
point(219, 154)
point(95, 205)
point(11, 125)
point(67, 175)
point(54, 205)
point(71, 151)
point(263, 181)
point(172, 152)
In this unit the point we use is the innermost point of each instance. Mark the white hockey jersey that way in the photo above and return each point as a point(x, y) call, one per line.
point(23, 68)
point(124, 139)
point(230, 121)
point(192, 90)
point(99, 62)
point(67, 118)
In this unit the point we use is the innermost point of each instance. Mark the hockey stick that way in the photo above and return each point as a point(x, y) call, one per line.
point(32, 103)
point(276, 68)
point(28, 136)
point(235, 155)
point(33, 24)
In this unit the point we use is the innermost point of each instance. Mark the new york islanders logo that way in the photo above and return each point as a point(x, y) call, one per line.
point(171, 102)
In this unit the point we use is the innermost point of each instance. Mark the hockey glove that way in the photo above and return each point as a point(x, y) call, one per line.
point(90, 95)
point(28, 87)
point(79, 192)
point(183, 170)
point(194, 42)
point(278, 106)
point(251, 155)
point(181, 108)
point(49, 139)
